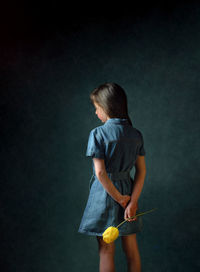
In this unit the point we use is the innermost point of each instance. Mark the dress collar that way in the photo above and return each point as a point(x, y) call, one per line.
point(117, 121)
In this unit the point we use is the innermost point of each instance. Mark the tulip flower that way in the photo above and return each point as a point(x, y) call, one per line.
point(112, 233)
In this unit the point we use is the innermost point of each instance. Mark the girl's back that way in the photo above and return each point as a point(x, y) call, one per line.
point(118, 143)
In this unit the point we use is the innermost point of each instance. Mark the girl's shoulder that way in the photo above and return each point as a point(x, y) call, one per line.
point(139, 134)
point(97, 129)
point(138, 131)
point(102, 128)
point(100, 133)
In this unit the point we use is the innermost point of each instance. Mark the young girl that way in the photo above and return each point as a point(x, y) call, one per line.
point(115, 147)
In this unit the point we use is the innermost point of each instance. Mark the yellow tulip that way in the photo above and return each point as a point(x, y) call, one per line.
point(112, 233)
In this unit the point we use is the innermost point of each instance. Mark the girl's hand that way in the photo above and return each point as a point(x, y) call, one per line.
point(130, 211)
point(124, 200)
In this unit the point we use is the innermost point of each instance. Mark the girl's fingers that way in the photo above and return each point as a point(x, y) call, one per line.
point(128, 215)
point(133, 219)
point(125, 215)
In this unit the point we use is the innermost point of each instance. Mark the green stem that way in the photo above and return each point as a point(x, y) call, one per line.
point(135, 216)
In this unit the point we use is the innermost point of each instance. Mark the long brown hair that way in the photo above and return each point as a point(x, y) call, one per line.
point(112, 98)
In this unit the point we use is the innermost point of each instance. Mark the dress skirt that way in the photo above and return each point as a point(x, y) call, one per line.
point(102, 211)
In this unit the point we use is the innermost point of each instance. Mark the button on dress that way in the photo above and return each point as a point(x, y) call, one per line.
point(119, 144)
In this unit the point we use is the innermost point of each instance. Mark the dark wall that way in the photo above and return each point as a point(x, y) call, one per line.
point(49, 65)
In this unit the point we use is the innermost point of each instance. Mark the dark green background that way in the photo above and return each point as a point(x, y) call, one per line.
point(49, 66)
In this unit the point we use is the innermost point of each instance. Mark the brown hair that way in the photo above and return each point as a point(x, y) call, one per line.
point(112, 98)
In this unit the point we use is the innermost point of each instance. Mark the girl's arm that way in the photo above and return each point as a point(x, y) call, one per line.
point(137, 188)
point(102, 176)
point(138, 179)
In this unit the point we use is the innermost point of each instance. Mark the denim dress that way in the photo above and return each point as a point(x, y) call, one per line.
point(119, 144)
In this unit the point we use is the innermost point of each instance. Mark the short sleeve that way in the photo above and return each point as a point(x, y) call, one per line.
point(141, 150)
point(95, 147)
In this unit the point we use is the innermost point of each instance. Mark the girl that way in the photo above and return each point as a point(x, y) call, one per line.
point(115, 147)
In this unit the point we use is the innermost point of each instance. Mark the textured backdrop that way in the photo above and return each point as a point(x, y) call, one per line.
point(49, 66)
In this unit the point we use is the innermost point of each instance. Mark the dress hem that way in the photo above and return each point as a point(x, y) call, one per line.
point(101, 234)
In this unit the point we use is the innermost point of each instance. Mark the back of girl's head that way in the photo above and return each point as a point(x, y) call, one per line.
point(112, 98)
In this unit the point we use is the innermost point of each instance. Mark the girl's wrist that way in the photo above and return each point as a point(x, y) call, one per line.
point(119, 198)
point(134, 202)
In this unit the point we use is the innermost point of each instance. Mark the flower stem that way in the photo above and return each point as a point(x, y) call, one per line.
point(135, 216)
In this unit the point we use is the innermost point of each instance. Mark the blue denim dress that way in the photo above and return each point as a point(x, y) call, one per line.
point(119, 144)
